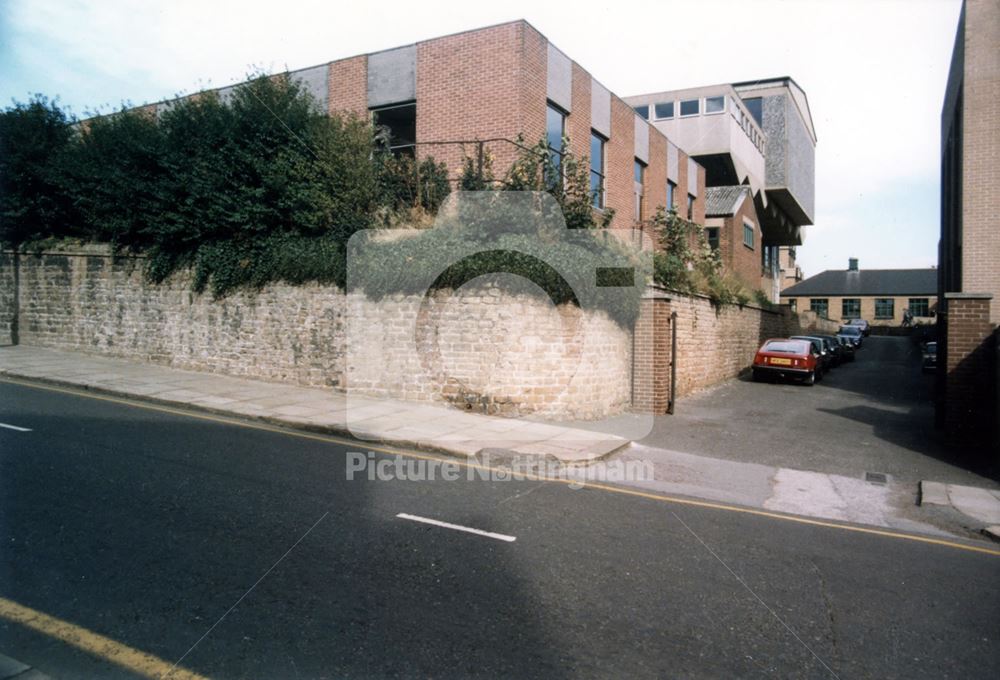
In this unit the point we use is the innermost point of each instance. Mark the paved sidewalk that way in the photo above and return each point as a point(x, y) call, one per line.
point(12, 669)
point(420, 425)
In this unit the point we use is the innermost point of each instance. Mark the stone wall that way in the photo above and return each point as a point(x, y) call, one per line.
point(481, 350)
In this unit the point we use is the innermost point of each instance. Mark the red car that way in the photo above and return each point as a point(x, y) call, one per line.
point(784, 358)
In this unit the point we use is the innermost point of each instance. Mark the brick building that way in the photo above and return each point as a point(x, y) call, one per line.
point(969, 249)
point(879, 295)
point(732, 228)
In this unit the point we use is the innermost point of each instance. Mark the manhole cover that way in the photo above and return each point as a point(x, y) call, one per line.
point(875, 478)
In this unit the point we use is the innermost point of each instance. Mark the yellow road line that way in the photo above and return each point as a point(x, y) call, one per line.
point(93, 643)
point(333, 439)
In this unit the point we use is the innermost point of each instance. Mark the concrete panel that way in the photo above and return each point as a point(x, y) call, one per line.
point(641, 139)
point(600, 108)
point(692, 177)
point(673, 163)
point(559, 79)
point(392, 76)
point(316, 82)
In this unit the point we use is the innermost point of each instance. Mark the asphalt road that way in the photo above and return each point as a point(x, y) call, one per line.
point(146, 527)
point(874, 414)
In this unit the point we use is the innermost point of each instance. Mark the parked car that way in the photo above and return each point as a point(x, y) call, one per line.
point(863, 324)
point(846, 347)
point(823, 349)
point(852, 333)
point(787, 358)
point(930, 357)
point(839, 355)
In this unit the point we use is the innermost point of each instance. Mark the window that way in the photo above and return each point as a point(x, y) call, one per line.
point(597, 170)
point(690, 210)
point(715, 104)
point(884, 308)
point(555, 130)
point(748, 234)
point(850, 308)
point(643, 111)
point(664, 110)
point(712, 234)
point(819, 305)
point(920, 307)
point(689, 107)
point(400, 123)
point(640, 172)
point(671, 188)
point(755, 107)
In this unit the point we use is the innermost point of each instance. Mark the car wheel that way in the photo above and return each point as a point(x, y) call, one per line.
point(810, 379)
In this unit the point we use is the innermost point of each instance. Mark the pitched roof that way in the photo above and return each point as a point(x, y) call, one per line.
point(722, 201)
point(867, 282)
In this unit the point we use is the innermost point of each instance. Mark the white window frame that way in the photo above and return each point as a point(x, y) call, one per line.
point(715, 113)
point(680, 106)
point(656, 117)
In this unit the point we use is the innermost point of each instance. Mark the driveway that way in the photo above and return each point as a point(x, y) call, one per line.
point(873, 415)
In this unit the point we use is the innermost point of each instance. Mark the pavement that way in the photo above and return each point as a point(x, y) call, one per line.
point(420, 425)
point(744, 443)
point(167, 539)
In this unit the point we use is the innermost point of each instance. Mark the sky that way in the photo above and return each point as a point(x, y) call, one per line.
point(874, 72)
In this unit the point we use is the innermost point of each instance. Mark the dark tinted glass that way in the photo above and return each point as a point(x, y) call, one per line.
point(664, 110)
point(643, 111)
point(689, 107)
point(755, 106)
point(554, 123)
point(596, 153)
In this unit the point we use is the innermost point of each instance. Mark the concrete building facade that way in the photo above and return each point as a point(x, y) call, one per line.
point(758, 135)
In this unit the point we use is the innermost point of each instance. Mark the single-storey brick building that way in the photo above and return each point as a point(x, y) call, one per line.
point(879, 295)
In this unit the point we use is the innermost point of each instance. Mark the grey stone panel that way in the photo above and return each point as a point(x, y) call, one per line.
point(392, 76)
point(559, 79)
point(600, 108)
point(641, 139)
point(316, 81)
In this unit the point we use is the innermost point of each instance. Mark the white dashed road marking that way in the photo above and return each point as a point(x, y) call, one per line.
point(457, 527)
point(15, 427)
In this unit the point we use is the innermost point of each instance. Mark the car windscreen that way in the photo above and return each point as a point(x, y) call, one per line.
point(849, 330)
point(786, 347)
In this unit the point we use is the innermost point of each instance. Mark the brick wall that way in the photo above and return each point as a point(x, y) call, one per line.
point(970, 376)
point(348, 86)
point(981, 151)
point(900, 303)
point(7, 306)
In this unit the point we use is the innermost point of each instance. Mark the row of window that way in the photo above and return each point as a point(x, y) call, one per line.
point(885, 308)
point(555, 134)
point(686, 107)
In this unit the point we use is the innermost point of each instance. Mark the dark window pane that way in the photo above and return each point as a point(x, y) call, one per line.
point(643, 111)
point(664, 110)
point(401, 123)
point(597, 189)
point(712, 233)
point(596, 153)
point(714, 104)
point(690, 207)
point(755, 107)
point(689, 107)
point(670, 194)
point(554, 126)
point(638, 171)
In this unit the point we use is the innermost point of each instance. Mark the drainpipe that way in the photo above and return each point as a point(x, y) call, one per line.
point(673, 362)
point(16, 311)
